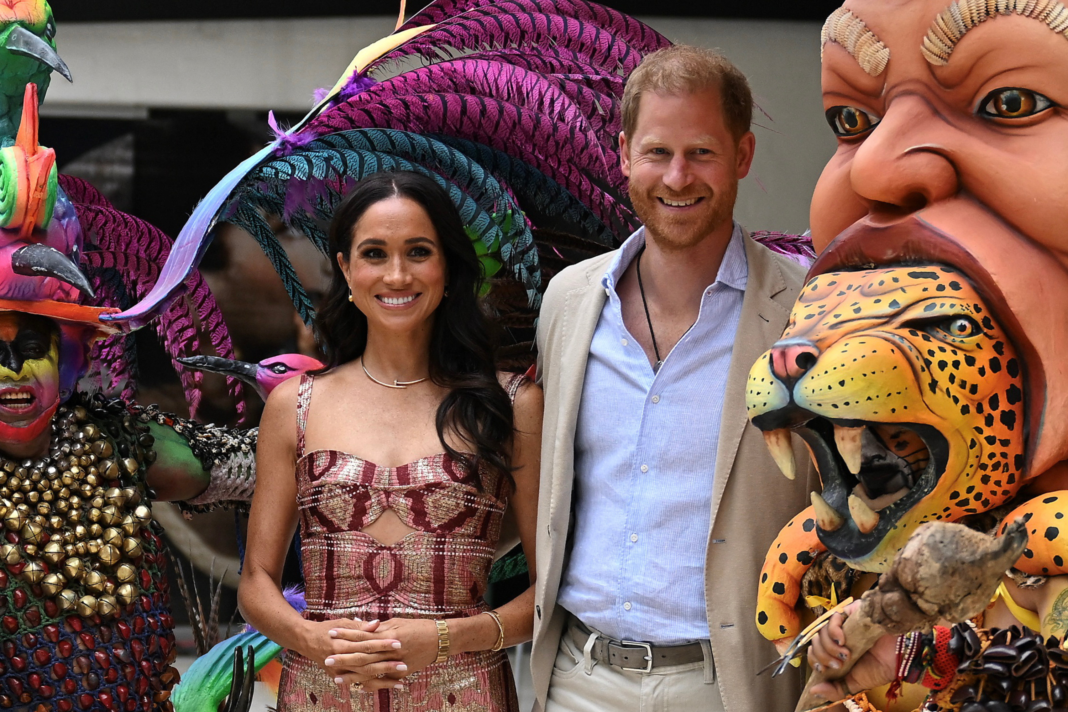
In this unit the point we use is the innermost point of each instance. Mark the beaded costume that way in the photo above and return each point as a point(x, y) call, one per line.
point(439, 571)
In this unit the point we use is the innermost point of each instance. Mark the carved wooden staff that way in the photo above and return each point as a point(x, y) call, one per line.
point(947, 573)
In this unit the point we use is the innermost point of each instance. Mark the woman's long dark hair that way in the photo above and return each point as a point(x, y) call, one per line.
point(462, 345)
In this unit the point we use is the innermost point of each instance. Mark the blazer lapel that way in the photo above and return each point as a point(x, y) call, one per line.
point(582, 311)
point(762, 322)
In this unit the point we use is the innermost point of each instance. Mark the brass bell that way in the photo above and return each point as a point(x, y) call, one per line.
point(110, 515)
point(93, 546)
point(131, 465)
point(66, 599)
point(30, 549)
point(110, 468)
point(81, 548)
point(44, 509)
point(74, 569)
point(34, 572)
point(103, 448)
point(132, 495)
point(52, 584)
point(130, 525)
point(55, 522)
point(9, 554)
point(14, 519)
point(91, 431)
point(132, 548)
point(80, 531)
point(67, 479)
point(94, 581)
point(81, 414)
point(106, 606)
point(126, 573)
point(126, 594)
point(53, 552)
point(115, 496)
point(86, 606)
point(113, 536)
point(48, 496)
point(109, 555)
point(95, 530)
point(31, 533)
point(94, 515)
point(75, 515)
point(33, 496)
point(97, 502)
point(143, 514)
point(92, 479)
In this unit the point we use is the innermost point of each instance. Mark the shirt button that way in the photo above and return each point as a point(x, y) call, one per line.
point(608, 291)
point(634, 537)
point(626, 606)
point(645, 468)
point(656, 399)
point(708, 293)
point(623, 341)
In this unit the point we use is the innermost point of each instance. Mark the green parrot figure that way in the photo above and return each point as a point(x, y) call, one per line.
point(27, 54)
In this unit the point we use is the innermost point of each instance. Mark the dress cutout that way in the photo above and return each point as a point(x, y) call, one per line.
point(438, 571)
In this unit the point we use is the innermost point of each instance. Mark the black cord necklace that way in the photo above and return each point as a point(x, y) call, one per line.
point(648, 319)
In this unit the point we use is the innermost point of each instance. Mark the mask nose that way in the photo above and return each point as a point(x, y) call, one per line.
point(791, 359)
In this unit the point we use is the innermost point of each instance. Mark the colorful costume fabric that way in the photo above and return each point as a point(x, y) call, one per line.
point(438, 571)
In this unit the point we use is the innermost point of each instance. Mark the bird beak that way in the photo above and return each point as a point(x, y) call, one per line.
point(22, 41)
point(39, 260)
point(241, 370)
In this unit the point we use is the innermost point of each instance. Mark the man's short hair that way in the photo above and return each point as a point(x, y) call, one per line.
point(682, 69)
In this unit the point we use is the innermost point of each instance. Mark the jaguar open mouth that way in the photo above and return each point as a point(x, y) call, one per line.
point(872, 473)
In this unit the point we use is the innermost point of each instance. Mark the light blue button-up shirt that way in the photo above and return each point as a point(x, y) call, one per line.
point(645, 455)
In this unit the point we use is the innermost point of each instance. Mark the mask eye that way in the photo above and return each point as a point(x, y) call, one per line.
point(956, 327)
point(850, 122)
point(279, 368)
point(1013, 103)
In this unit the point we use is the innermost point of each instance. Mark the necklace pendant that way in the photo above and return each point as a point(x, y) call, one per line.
point(656, 366)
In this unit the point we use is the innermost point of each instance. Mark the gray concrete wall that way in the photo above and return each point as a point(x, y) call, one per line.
point(122, 69)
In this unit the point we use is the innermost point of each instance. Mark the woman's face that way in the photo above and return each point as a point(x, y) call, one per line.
point(396, 267)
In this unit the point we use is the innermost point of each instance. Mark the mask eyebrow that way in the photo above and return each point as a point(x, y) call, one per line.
point(964, 15)
point(846, 29)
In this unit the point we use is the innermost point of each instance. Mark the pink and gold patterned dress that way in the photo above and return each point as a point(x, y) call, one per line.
point(439, 571)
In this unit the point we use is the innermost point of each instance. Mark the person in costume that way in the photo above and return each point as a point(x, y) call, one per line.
point(641, 350)
point(410, 370)
point(922, 365)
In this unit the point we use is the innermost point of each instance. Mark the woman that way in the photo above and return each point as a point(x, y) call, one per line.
point(407, 449)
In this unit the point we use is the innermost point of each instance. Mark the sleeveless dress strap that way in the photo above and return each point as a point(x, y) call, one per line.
point(515, 380)
point(304, 394)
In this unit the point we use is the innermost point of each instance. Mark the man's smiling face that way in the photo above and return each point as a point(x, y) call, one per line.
point(953, 147)
point(683, 166)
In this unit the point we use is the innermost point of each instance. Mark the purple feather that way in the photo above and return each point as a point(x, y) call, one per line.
point(796, 247)
point(294, 596)
point(287, 142)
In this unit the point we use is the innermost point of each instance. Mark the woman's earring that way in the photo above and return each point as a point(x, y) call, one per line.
point(446, 292)
point(350, 295)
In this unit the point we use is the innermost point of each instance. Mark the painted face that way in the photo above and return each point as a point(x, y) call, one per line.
point(396, 267)
point(683, 166)
point(29, 376)
point(909, 395)
point(953, 148)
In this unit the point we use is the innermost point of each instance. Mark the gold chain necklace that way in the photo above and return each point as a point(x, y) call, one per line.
point(395, 384)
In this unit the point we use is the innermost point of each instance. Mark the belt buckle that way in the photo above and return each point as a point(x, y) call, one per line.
point(647, 647)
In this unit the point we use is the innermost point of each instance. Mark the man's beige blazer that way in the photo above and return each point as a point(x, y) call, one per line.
point(751, 499)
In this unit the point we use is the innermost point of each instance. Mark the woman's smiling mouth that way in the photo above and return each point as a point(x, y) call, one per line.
point(397, 302)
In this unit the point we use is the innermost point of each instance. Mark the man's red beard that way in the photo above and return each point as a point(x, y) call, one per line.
point(682, 232)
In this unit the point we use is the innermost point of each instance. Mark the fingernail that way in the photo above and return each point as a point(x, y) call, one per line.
point(402, 668)
point(329, 661)
point(398, 686)
point(819, 668)
point(358, 620)
point(373, 622)
point(835, 665)
point(333, 634)
point(843, 656)
point(837, 642)
point(339, 680)
point(396, 644)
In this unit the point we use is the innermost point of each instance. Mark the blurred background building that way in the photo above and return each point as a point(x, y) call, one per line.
point(168, 96)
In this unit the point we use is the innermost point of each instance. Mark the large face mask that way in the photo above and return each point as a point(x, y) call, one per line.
point(29, 376)
point(953, 149)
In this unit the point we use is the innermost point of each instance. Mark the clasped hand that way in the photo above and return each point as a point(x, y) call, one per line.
point(376, 654)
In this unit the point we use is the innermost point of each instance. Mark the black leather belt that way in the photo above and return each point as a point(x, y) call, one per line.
point(636, 656)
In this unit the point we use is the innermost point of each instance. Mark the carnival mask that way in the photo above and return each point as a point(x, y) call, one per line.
point(29, 376)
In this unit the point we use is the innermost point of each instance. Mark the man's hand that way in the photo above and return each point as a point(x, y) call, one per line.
point(830, 649)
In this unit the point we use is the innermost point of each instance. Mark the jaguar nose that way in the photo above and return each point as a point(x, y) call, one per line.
point(792, 358)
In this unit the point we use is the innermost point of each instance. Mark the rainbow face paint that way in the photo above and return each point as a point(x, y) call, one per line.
point(29, 376)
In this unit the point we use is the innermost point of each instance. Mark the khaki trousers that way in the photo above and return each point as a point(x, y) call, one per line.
point(580, 684)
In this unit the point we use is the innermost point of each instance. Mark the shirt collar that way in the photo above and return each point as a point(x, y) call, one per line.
point(733, 270)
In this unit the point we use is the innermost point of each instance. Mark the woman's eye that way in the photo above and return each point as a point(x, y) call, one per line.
point(850, 122)
point(373, 254)
point(419, 252)
point(957, 327)
point(1013, 103)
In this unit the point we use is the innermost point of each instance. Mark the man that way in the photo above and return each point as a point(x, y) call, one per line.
point(658, 500)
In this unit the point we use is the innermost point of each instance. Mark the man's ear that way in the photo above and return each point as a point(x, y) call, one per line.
point(746, 151)
point(624, 155)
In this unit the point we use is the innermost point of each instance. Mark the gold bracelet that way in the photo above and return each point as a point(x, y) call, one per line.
point(500, 636)
point(443, 641)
